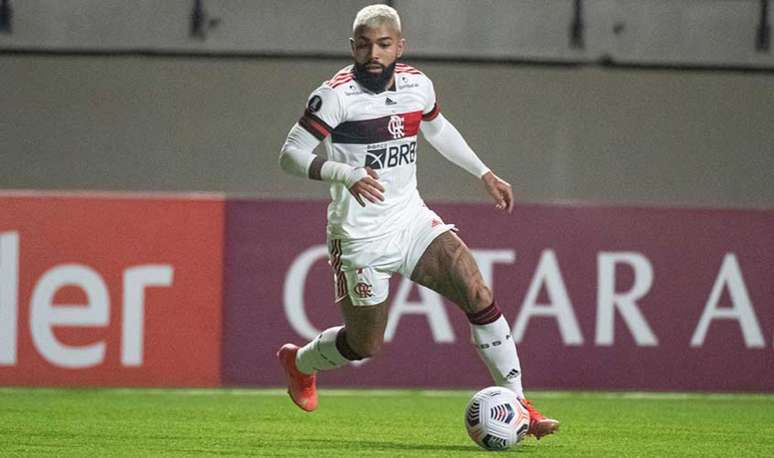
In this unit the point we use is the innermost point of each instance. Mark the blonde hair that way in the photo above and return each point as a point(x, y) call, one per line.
point(375, 16)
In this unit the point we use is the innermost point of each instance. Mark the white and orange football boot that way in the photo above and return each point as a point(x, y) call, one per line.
point(539, 425)
point(302, 388)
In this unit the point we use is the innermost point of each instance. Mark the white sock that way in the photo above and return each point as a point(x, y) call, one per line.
point(497, 349)
point(321, 354)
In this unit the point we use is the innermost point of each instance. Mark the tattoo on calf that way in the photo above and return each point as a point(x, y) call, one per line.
point(448, 268)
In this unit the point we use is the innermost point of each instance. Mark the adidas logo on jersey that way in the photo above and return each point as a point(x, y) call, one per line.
point(389, 101)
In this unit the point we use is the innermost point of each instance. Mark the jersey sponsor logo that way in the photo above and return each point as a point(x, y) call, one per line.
point(391, 156)
point(395, 126)
point(315, 103)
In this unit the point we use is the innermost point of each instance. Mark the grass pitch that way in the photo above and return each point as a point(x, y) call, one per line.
point(389, 423)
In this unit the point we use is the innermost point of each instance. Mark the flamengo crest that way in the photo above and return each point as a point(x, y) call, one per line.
point(363, 290)
point(395, 126)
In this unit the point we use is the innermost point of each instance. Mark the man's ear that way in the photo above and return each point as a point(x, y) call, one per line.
point(401, 47)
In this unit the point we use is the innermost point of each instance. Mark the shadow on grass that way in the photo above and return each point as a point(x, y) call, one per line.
point(398, 446)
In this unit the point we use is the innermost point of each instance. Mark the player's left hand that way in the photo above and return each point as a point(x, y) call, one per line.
point(500, 190)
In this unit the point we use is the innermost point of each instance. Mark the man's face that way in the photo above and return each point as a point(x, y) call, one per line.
point(376, 47)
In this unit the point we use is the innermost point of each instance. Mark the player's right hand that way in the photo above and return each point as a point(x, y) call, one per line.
point(368, 187)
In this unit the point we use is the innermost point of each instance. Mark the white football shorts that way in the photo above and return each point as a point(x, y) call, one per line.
point(362, 267)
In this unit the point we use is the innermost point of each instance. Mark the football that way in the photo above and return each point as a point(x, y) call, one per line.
point(495, 419)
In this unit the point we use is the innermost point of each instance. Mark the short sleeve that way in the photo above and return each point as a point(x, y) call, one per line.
point(431, 109)
point(323, 112)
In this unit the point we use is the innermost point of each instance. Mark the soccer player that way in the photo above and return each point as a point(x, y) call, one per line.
point(368, 115)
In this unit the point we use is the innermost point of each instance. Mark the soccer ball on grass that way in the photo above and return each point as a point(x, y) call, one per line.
point(495, 419)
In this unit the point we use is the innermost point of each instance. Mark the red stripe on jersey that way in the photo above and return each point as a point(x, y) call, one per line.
point(343, 72)
point(432, 114)
point(403, 68)
point(341, 77)
point(315, 118)
point(336, 84)
point(314, 125)
point(411, 123)
point(377, 130)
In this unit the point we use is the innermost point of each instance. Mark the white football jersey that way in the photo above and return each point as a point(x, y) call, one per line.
point(379, 131)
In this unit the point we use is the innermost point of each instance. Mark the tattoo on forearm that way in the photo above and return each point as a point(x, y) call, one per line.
point(315, 167)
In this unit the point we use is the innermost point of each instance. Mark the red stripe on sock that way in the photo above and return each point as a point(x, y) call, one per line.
point(486, 316)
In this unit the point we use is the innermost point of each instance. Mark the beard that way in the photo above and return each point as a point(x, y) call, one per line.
point(374, 82)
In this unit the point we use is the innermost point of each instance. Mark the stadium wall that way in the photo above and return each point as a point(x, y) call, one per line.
point(558, 133)
point(180, 290)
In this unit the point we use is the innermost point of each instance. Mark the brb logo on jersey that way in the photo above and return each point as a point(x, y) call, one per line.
point(395, 126)
point(391, 156)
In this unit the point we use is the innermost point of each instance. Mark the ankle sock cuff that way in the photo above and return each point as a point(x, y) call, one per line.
point(486, 316)
point(343, 347)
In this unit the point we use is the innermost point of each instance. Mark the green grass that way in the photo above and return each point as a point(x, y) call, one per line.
point(142, 422)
